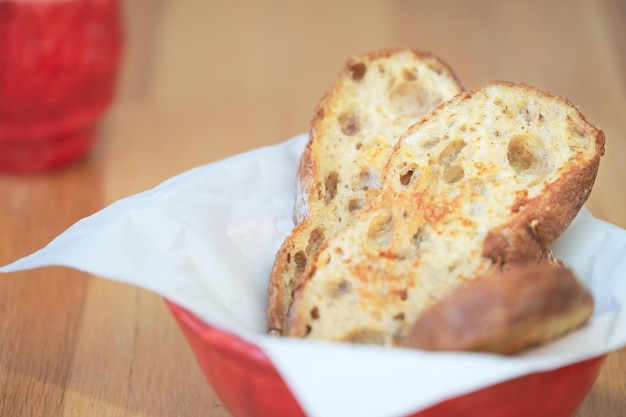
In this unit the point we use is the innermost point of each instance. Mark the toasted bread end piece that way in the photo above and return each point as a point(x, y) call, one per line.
point(505, 313)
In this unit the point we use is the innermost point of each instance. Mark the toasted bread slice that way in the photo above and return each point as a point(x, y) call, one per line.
point(490, 178)
point(376, 97)
point(504, 313)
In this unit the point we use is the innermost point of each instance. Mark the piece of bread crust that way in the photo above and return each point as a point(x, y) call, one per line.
point(376, 97)
point(489, 178)
point(504, 313)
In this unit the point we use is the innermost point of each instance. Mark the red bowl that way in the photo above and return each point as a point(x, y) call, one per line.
point(248, 384)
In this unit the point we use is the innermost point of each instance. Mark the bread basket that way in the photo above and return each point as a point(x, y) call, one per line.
point(247, 383)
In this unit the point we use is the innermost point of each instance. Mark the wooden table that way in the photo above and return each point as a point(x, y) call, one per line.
point(203, 80)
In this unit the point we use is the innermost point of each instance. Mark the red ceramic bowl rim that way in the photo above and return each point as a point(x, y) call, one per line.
point(254, 356)
point(219, 337)
point(247, 355)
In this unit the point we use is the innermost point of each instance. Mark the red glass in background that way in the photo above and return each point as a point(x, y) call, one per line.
point(58, 67)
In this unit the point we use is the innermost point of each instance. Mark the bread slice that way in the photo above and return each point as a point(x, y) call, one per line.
point(490, 178)
point(504, 313)
point(376, 97)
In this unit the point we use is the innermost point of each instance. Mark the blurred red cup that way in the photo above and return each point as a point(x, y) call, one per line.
point(58, 67)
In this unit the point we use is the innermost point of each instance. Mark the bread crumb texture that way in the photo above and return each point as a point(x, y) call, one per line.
point(376, 97)
point(490, 178)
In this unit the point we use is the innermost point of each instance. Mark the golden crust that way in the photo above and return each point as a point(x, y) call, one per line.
point(529, 232)
point(504, 313)
point(288, 265)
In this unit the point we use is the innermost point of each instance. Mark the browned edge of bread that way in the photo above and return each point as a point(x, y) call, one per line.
point(543, 219)
point(504, 313)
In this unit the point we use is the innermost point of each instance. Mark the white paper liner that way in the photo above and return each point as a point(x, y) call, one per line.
point(206, 240)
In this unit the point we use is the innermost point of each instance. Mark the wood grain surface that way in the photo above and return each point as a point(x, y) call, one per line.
point(202, 80)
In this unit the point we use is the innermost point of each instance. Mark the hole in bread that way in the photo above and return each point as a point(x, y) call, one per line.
point(315, 313)
point(452, 150)
point(338, 288)
point(315, 241)
point(414, 242)
point(409, 74)
point(504, 108)
point(452, 266)
point(330, 186)
point(357, 71)
point(452, 173)
point(411, 99)
point(408, 174)
point(365, 335)
point(349, 123)
point(525, 153)
point(300, 260)
point(368, 180)
point(437, 68)
point(403, 294)
point(380, 230)
point(399, 316)
point(431, 143)
point(405, 177)
point(525, 113)
point(355, 204)
point(419, 236)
